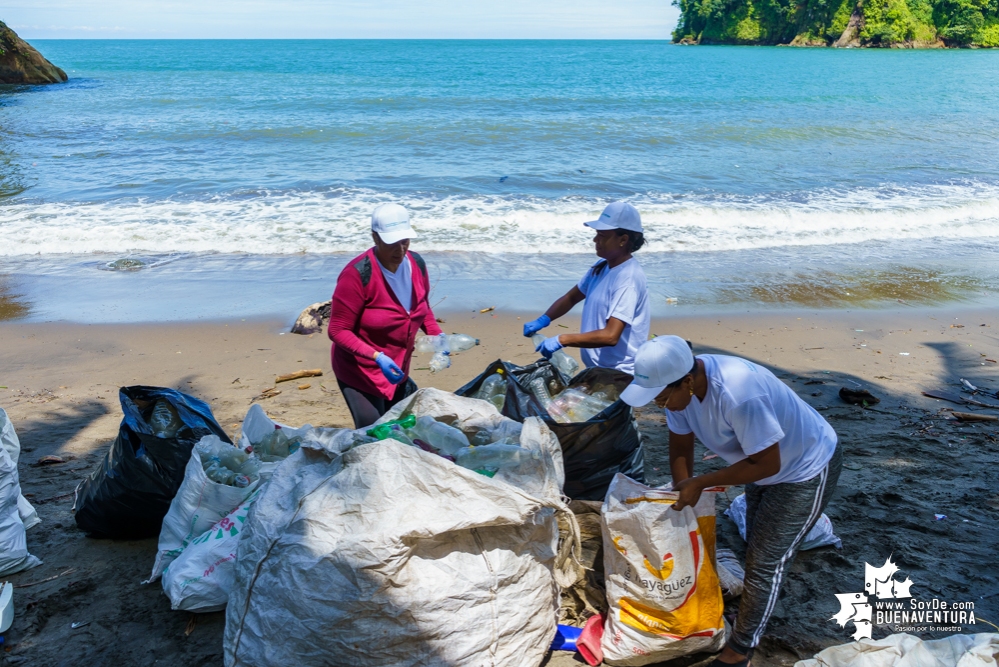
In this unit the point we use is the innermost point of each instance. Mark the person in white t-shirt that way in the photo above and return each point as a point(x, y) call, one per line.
point(785, 453)
point(616, 316)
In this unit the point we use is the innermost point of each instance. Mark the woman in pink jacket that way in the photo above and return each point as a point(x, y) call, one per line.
point(379, 306)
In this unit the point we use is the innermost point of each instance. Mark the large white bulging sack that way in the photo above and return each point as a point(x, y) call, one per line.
point(904, 650)
point(663, 595)
point(10, 443)
point(14, 556)
point(199, 504)
point(384, 554)
point(821, 534)
point(201, 577)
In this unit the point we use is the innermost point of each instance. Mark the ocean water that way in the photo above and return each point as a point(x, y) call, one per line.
point(774, 176)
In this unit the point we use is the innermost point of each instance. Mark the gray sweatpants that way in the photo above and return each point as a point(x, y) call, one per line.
point(778, 517)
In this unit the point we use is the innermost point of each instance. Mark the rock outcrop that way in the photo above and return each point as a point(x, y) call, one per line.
point(21, 63)
point(313, 319)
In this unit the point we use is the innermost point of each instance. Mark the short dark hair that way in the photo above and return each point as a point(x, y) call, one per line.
point(673, 385)
point(637, 238)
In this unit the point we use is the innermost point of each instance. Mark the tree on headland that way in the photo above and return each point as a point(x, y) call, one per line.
point(874, 23)
point(21, 63)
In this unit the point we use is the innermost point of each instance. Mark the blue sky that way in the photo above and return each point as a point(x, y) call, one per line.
point(553, 19)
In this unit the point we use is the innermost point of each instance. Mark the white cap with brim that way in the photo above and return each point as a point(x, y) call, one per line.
point(391, 223)
point(658, 363)
point(618, 215)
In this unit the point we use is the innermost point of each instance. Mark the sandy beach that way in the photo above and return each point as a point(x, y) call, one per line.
point(906, 459)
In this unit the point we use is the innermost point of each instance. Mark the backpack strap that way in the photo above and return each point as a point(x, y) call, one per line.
point(364, 268)
point(420, 263)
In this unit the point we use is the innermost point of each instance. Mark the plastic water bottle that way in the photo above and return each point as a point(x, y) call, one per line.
point(276, 445)
point(493, 389)
point(539, 388)
point(445, 439)
point(494, 457)
point(560, 359)
point(439, 362)
point(383, 431)
point(461, 342)
point(164, 420)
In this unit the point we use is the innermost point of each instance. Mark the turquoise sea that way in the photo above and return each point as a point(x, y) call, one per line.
point(238, 176)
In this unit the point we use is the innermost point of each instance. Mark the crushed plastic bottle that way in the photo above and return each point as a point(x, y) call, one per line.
point(577, 405)
point(276, 445)
point(494, 457)
point(452, 343)
point(461, 342)
point(560, 359)
point(493, 389)
point(439, 362)
point(443, 438)
point(164, 420)
point(540, 391)
point(383, 431)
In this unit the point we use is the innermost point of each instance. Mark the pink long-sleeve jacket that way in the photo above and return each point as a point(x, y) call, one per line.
point(366, 317)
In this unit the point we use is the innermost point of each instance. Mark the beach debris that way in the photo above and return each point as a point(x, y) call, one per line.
point(903, 354)
point(954, 398)
point(312, 319)
point(297, 375)
point(672, 300)
point(50, 459)
point(78, 624)
point(488, 310)
point(968, 385)
point(302, 387)
point(441, 321)
point(972, 417)
point(939, 517)
point(858, 396)
point(42, 581)
point(707, 457)
point(957, 326)
point(270, 392)
point(235, 381)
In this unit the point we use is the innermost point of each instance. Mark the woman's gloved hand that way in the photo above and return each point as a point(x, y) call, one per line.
point(548, 347)
point(534, 326)
point(392, 372)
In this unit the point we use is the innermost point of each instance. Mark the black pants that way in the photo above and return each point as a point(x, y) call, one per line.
point(366, 408)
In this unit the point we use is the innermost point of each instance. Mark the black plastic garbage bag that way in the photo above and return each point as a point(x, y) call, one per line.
point(129, 493)
point(593, 451)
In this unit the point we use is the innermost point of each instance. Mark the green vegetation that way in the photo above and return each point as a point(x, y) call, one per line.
point(878, 23)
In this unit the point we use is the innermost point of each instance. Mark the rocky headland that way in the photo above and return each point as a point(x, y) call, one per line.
point(22, 63)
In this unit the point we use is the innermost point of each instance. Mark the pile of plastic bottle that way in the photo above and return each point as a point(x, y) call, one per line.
point(493, 389)
point(164, 420)
point(575, 404)
point(487, 452)
point(227, 464)
point(276, 445)
point(443, 347)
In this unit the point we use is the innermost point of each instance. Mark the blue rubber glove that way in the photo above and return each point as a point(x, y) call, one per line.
point(548, 347)
point(392, 372)
point(534, 326)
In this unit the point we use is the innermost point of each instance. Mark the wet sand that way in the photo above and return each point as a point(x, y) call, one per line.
point(906, 460)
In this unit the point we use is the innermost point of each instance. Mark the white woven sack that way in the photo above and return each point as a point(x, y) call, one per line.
point(10, 442)
point(821, 534)
point(201, 577)
point(199, 504)
point(389, 555)
point(14, 556)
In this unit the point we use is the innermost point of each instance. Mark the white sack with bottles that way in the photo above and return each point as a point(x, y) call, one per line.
point(382, 553)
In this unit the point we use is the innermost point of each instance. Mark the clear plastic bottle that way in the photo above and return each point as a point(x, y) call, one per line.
point(164, 420)
point(493, 389)
point(461, 342)
point(439, 362)
point(276, 445)
point(445, 439)
point(560, 359)
point(493, 457)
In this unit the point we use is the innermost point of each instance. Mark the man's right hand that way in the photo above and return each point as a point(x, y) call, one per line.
point(389, 368)
point(534, 326)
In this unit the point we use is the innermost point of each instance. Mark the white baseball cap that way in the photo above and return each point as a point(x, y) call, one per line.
point(391, 222)
point(618, 215)
point(658, 363)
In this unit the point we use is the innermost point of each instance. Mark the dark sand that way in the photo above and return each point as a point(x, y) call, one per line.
point(906, 460)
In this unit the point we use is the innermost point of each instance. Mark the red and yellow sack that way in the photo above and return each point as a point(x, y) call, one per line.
point(662, 587)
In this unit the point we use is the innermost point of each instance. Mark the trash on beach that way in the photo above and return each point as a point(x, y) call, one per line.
point(821, 534)
point(50, 459)
point(858, 396)
point(956, 398)
point(6, 606)
point(967, 385)
point(939, 517)
point(303, 387)
point(565, 638)
point(730, 573)
point(903, 354)
point(454, 344)
point(439, 362)
point(488, 310)
point(131, 490)
point(672, 300)
point(78, 624)
point(298, 375)
point(270, 392)
point(361, 501)
point(493, 389)
point(312, 319)
point(560, 359)
point(648, 545)
point(973, 417)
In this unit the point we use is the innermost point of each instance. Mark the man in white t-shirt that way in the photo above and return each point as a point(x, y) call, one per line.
point(616, 316)
point(785, 453)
